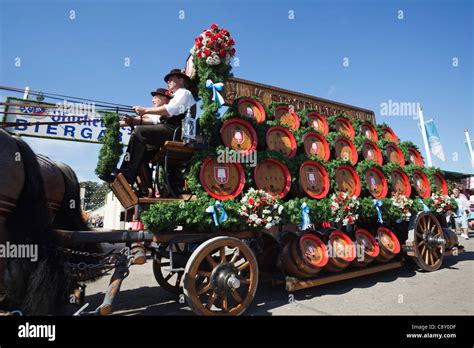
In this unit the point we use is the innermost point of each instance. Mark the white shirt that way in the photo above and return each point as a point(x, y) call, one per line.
point(181, 101)
point(463, 204)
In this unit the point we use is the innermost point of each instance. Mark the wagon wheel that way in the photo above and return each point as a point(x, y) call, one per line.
point(221, 277)
point(169, 281)
point(428, 242)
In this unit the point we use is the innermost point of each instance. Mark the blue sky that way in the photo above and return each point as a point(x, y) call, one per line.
point(403, 60)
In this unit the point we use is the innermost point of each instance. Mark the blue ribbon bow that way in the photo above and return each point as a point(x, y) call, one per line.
point(425, 207)
point(378, 204)
point(215, 94)
point(305, 221)
point(212, 210)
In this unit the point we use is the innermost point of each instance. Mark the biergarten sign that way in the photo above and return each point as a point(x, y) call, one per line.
point(82, 122)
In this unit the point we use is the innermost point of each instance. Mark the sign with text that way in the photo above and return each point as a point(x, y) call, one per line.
point(235, 87)
point(61, 121)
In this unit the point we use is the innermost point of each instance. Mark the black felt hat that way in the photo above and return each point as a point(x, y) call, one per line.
point(177, 72)
point(161, 91)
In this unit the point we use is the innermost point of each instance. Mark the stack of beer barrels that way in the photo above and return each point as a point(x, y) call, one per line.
point(342, 141)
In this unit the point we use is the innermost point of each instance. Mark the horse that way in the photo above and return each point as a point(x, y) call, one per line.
point(37, 196)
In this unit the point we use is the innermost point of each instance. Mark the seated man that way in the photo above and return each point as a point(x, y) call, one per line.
point(137, 143)
point(165, 120)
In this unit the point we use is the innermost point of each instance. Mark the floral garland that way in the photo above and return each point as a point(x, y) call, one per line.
point(441, 204)
point(165, 216)
point(401, 206)
point(261, 209)
point(212, 52)
point(344, 208)
point(111, 150)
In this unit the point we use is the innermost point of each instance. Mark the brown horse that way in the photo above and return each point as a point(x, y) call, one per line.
point(37, 195)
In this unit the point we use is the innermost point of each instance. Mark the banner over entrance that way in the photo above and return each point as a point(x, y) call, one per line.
point(89, 131)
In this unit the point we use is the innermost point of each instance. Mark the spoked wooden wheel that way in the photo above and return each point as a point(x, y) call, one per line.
point(221, 277)
point(169, 280)
point(428, 243)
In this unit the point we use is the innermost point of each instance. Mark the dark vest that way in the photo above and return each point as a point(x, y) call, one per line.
point(175, 121)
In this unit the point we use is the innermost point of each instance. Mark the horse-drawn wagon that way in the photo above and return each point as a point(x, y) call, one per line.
point(283, 187)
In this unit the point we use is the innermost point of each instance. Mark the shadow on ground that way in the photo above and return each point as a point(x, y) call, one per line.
point(152, 300)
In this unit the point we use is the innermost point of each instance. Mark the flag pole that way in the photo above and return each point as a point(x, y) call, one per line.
point(425, 138)
point(26, 93)
point(469, 146)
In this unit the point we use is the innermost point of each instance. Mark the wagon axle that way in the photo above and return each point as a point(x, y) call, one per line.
point(224, 279)
point(432, 240)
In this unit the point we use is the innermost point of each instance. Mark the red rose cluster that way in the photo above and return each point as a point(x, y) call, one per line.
point(214, 45)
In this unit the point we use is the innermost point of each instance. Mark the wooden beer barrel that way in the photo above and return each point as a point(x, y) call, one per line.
point(239, 135)
point(347, 180)
point(388, 243)
point(318, 122)
point(345, 149)
point(313, 179)
point(421, 184)
point(341, 251)
point(316, 145)
point(389, 134)
point(394, 154)
point(222, 180)
point(280, 139)
point(368, 131)
point(304, 256)
point(285, 116)
point(345, 127)
point(400, 182)
point(440, 183)
point(414, 157)
point(376, 182)
point(371, 247)
point(251, 108)
point(371, 151)
point(273, 177)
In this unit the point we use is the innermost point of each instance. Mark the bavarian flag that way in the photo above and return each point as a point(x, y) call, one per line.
point(433, 140)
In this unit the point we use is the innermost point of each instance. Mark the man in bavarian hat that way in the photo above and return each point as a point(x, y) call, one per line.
point(137, 144)
point(163, 119)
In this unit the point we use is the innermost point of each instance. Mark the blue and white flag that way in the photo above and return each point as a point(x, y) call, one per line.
point(433, 140)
